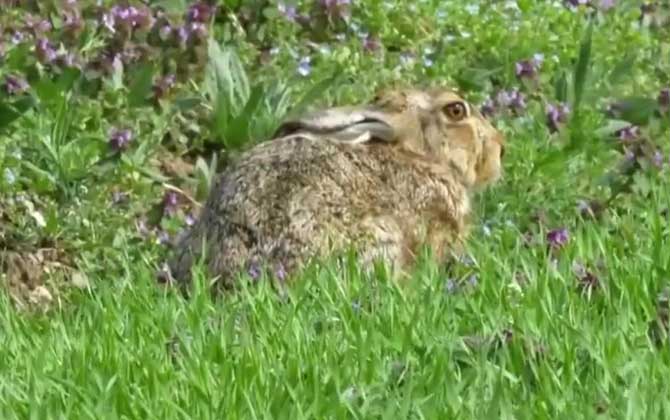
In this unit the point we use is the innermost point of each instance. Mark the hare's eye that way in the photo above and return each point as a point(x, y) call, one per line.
point(456, 110)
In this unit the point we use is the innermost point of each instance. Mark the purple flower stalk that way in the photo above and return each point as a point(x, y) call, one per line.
point(170, 202)
point(200, 12)
point(557, 238)
point(606, 4)
point(516, 100)
point(529, 68)
point(189, 219)
point(488, 107)
point(120, 138)
point(628, 134)
point(254, 270)
point(657, 159)
point(15, 85)
point(336, 8)
point(557, 115)
point(163, 85)
point(127, 18)
point(371, 43)
point(45, 51)
point(288, 11)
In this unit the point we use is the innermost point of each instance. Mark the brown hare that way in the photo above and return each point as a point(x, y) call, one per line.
point(384, 178)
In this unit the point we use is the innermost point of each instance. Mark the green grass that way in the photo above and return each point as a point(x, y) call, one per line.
point(515, 333)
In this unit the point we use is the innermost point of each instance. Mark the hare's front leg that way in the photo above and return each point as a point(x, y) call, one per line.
point(384, 239)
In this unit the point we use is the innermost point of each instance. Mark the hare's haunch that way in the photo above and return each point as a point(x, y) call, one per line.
point(385, 178)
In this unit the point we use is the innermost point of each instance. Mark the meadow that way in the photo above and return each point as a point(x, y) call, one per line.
point(116, 116)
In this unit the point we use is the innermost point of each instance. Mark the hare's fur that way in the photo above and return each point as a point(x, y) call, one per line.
point(386, 178)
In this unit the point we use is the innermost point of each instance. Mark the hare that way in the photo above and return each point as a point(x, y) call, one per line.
point(385, 178)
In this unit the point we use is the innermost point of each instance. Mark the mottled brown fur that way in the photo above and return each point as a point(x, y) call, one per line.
point(306, 195)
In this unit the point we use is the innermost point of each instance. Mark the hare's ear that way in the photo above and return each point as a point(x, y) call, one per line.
point(348, 125)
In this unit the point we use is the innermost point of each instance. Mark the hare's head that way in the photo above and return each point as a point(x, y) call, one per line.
point(435, 124)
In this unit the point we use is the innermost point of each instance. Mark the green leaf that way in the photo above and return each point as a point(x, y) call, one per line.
point(315, 91)
point(636, 110)
point(238, 132)
point(47, 91)
point(7, 115)
point(561, 87)
point(622, 69)
point(582, 67)
point(11, 112)
point(141, 85)
point(186, 103)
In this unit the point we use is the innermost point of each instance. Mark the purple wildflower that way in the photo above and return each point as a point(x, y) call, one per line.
point(18, 37)
point(488, 108)
point(450, 286)
point(628, 134)
point(558, 237)
point(165, 32)
point(127, 18)
point(38, 26)
point(120, 138)
point(336, 8)
point(162, 237)
point(163, 85)
point(197, 31)
point(72, 23)
point(200, 12)
point(371, 43)
point(304, 66)
point(281, 273)
point(556, 115)
point(586, 279)
point(517, 100)
point(170, 202)
point(45, 51)
point(288, 11)
point(182, 35)
point(657, 158)
point(606, 4)
point(15, 85)
point(189, 219)
point(254, 270)
point(529, 68)
point(68, 59)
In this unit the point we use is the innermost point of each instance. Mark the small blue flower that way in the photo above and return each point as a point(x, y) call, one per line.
point(9, 176)
point(304, 66)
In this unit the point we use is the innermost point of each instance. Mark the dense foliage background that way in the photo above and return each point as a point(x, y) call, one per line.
point(115, 116)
